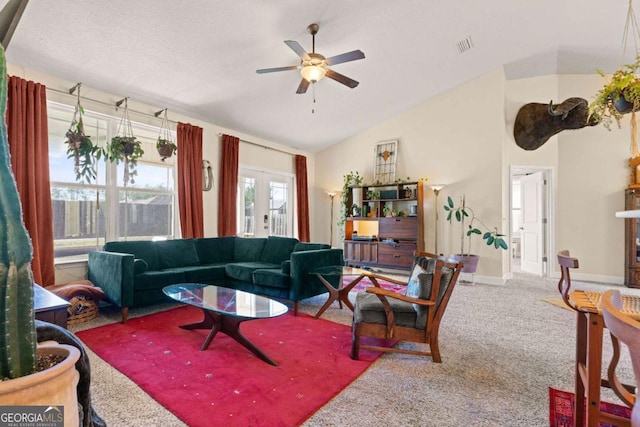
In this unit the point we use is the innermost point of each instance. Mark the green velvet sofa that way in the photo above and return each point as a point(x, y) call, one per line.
point(133, 273)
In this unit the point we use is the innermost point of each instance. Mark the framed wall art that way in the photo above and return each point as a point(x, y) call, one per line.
point(384, 163)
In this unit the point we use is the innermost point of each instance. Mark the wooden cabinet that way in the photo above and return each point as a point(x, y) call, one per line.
point(385, 241)
point(632, 240)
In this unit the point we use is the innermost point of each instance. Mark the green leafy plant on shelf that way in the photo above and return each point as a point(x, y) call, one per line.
point(462, 212)
point(352, 179)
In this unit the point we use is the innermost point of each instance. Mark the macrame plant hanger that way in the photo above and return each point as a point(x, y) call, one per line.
point(631, 25)
point(165, 144)
point(125, 130)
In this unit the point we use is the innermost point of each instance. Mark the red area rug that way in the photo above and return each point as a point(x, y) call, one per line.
point(227, 384)
point(561, 407)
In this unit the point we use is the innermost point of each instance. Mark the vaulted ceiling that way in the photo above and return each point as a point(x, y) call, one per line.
point(199, 57)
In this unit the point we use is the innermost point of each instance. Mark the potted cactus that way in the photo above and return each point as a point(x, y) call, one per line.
point(491, 236)
point(18, 349)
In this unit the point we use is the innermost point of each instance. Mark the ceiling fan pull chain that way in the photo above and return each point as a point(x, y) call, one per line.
point(313, 93)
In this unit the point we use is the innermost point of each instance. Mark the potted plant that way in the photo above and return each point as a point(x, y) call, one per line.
point(125, 147)
point(166, 148)
point(20, 381)
point(349, 180)
point(620, 95)
point(80, 147)
point(165, 145)
point(491, 236)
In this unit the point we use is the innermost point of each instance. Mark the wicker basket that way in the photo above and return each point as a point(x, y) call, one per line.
point(81, 310)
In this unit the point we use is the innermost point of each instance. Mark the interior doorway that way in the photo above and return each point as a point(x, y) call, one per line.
point(531, 220)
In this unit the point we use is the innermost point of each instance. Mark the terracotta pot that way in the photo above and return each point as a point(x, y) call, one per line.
point(55, 386)
point(470, 262)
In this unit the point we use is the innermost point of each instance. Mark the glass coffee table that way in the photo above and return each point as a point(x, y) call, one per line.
point(331, 278)
point(224, 309)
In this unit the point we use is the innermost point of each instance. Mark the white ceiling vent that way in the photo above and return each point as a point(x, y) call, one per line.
point(464, 45)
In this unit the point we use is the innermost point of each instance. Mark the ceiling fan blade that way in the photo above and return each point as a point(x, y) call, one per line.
point(272, 70)
point(345, 57)
point(342, 79)
point(304, 85)
point(299, 50)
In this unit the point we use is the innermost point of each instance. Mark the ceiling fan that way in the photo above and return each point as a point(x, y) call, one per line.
point(314, 66)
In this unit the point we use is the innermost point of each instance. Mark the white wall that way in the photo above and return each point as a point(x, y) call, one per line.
point(592, 178)
point(464, 140)
point(249, 154)
point(455, 139)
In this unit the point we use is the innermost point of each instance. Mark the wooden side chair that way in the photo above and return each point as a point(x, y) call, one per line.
point(589, 331)
point(625, 328)
point(414, 316)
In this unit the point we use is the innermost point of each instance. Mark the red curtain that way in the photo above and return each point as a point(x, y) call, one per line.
point(228, 186)
point(302, 198)
point(28, 134)
point(190, 180)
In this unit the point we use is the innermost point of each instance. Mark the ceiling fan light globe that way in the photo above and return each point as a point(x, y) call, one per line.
point(313, 73)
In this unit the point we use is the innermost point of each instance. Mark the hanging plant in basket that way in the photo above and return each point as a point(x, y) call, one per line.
point(125, 148)
point(165, 145)
point(621, 94)
point(80, 147)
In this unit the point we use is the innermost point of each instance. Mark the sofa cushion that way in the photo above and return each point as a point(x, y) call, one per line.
point(139, 266)
point(244, 270)
point(369, 309)
point(278, 249)
point(212, 250)
point(177, 253)
point(285, 267)
point(212, 274)
point(306, 246)
point(248, 249)
point(145, 250)
point(158, 279)
point(272, 278)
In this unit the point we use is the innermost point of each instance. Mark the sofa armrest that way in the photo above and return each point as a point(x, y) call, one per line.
point(113, 273)
point(303, 284)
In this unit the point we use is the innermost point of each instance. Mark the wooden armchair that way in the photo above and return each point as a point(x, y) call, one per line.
point(625, 328)
point(414, 316)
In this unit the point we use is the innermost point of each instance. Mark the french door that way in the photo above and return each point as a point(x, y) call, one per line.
point(265, 204)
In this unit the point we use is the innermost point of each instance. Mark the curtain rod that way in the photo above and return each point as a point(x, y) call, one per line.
point(264, 146)
point(152, 115)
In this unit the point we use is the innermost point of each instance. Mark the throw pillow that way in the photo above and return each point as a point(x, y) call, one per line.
point(413, 286)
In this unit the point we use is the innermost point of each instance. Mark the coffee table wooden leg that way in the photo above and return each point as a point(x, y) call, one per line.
point(333, 295)
point(211, 321)
point(344, 292)
point(231, 326)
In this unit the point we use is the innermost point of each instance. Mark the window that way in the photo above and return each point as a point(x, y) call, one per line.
point(85, 216)
point(263, 204)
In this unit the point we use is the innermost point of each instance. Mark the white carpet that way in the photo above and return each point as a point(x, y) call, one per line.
point(501, 346)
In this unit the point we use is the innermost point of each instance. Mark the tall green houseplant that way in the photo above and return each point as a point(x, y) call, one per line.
point(462, 212)
point(17, 322)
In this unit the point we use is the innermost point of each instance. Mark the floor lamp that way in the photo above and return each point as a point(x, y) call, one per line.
point(436, 190)
point(331, 194)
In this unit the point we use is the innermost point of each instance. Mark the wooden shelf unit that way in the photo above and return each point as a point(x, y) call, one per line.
point(632, 240)
point(395, 237)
